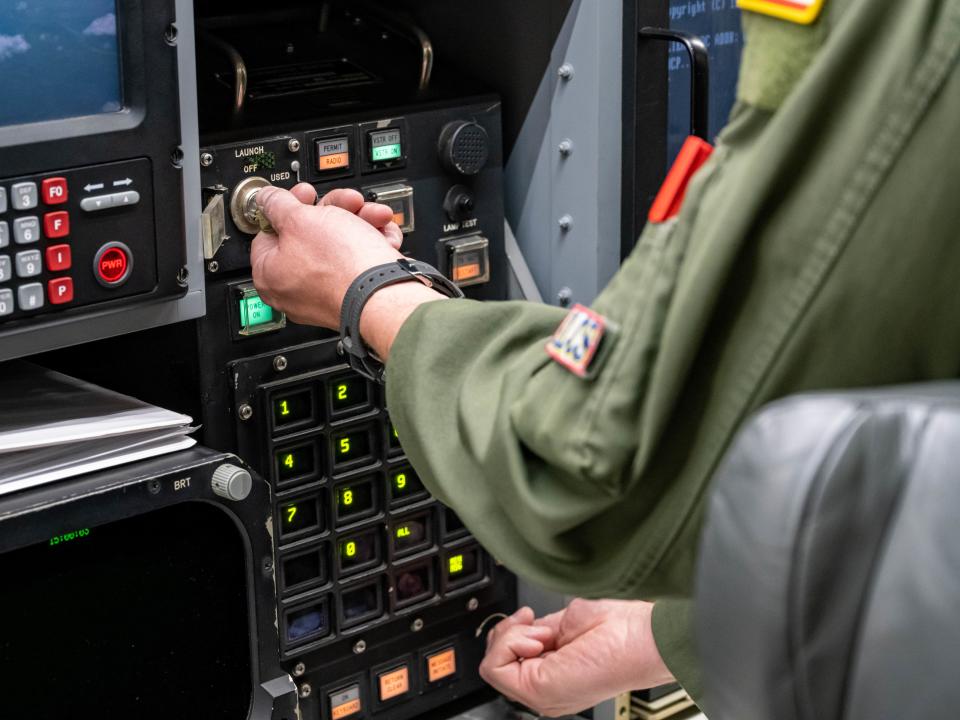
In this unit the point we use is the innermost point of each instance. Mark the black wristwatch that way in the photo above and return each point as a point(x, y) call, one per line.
point(361, 289)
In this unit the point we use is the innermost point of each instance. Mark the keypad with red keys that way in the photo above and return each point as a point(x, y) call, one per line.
point(75, 238)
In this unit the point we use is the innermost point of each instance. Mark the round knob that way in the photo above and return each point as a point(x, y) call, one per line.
point(458, 204)
point(231, 482)
point(464, 147)
point(243, 204)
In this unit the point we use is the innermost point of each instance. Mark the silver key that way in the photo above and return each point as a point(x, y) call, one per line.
point(6, 302)
point(28, 263)
point(6, 268)
point(26, 230)
point(4, 233)
point(30, 296)
point(3, 199)
point(25, 195)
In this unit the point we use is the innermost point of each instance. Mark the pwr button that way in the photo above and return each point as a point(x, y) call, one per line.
point(113, 264)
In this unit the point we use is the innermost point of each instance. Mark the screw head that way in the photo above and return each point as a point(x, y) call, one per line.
point(416, 625)
point(565, 223)
point(564, 296)
point(565, 147)
point(360, 647)
point(183, 274)
point(305, 690)
point(213, 266)
point(565, 71)
point(280, 363)
point(245, 412)
point(206, 159)
point(299, 669)
point(472, 604)
point(293, 145)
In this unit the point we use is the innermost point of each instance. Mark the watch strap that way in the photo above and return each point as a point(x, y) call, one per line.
point(362, 289)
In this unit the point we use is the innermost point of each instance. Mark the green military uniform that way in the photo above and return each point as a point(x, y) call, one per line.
point(818, 248)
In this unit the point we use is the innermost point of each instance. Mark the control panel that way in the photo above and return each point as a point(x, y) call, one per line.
point(440, 170)
point(76, 237)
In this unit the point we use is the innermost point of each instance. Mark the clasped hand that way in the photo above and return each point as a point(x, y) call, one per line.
point(569, 661)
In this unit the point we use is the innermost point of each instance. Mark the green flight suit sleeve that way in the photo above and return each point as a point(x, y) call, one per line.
point(816, 249)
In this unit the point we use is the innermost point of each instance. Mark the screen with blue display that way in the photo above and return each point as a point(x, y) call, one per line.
point(58, 59)
point(717, 22)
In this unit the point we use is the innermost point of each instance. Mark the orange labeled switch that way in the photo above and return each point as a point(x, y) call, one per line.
point(394, 683)
point(333, 154)
point(345, 703)
point(441, 665)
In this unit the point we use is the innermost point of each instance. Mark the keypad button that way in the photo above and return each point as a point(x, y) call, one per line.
point(128, 197)
point(60, 290)
point(113, 264)
point(59, 258)
point(28, 264)
point(6, 268)
point(26, 230)
point(96, 203)
point(4, 233)
point(56, 224)
point(24, 195)
point(54, 190)
point(30, 296)
point(3, 199)
point(6, 302)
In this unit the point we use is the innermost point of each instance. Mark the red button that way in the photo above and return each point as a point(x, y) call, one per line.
point(60, 290)
point(54, 190)
point(56, 224)
point(113, 264)
point(58, 258)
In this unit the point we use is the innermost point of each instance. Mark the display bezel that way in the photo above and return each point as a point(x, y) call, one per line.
point(133, 98)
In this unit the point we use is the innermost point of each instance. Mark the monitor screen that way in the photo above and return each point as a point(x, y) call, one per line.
point(718, 23)
point(58, 59)
point(145, 617)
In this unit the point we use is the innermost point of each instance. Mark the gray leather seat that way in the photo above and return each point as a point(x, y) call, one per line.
point(829, 577)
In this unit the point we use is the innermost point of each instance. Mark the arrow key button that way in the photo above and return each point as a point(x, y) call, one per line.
point(97, 203)
point(128, 197)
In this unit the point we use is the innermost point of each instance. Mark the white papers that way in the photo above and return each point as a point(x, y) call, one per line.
point(53, 427)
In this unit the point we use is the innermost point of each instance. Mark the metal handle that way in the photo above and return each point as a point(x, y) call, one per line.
point(699, 75)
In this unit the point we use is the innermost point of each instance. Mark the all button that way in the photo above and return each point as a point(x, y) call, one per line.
point(113, 264)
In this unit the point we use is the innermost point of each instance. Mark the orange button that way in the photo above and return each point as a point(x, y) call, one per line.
point(347, 709)
point(466, 272)
point(441, 665)
point(336, 161)
point(400, 218)
point(395, 683)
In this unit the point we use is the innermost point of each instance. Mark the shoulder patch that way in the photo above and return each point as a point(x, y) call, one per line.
point(575, 343)
point(802, 12)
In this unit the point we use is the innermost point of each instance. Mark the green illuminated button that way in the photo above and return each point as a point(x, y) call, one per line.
point(411, 534)
point(348, 393)
point(299, 516)
point(385, 145)
point(292, 408)
point(294, 462)
point(354, 500)
point(357, 551)
point(254, 312)
point(404, 484)
point(463, 567)
point(350, 447)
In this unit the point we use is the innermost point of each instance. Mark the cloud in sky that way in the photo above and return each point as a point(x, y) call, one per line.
point(106, 25)
point(11, 45)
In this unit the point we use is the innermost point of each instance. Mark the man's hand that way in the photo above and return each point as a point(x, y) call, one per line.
point(305, 269)
point(569, 661)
